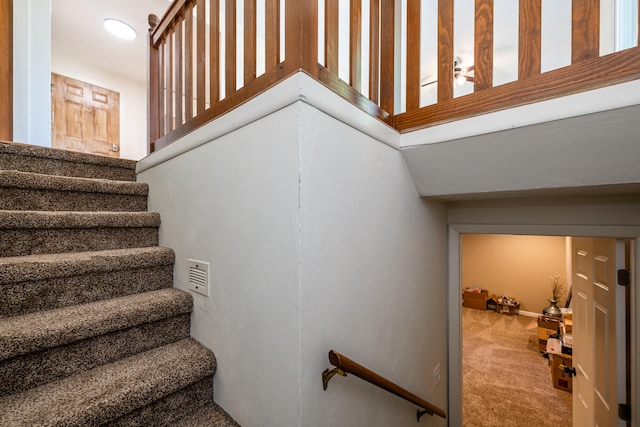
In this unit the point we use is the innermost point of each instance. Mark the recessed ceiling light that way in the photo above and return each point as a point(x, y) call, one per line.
point(120, 29)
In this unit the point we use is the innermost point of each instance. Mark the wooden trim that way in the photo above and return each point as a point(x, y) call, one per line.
point(331, 35)
point(600, 72)
point(374, 50)
point(413, 54)
point(585, 30)
point(387, 56)
point(348, 366)
point(230, 47)
point(249, 40)
point(6, 70)
point(445, 50)
point(483, 71)
point(529, 38)
point(355, 45)
point(339, 86)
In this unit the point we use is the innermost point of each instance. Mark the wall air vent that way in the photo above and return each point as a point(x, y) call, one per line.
point(198, 276)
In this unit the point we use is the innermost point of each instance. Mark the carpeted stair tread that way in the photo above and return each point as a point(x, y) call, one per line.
point(209, 415)
point(49, 266)
point(34, 369)
point(110, 391)
point(46, 329)
point(72, 219)
point(31, 158)
point(33, 283)
point(30, 180)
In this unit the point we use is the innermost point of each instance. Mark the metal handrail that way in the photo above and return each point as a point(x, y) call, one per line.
point(344, 365)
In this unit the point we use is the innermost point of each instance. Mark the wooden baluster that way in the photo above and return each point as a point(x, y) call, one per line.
point(188, 62)
point(387, 57)
point(249, 41)
point(179, 64)
point(153, 86)
point(374, 50)
point(355, 45)
point(230, 47)
point(272, 29)
point(171, 108)
point(6, 70)
point(201, 57)
point(331, 22)
point(162, 85)
point(483, 71)
point(445, 50)
point(214, 51)
point(413, 54)
point(529, 38)
point(585, 30)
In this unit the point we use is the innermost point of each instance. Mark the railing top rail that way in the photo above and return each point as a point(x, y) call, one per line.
point(345, 366)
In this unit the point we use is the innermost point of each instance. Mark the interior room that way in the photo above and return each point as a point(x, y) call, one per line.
point(502, 358)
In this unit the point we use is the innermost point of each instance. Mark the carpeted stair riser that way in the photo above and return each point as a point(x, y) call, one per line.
point(31, 232)
point(44, 282)
point(111, 391)
point(42, 160)
point(207, 415)
point(32, 191)
point(65, 360)
point(168, 410)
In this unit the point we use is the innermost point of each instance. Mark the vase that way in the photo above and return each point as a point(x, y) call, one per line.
point(552, 310)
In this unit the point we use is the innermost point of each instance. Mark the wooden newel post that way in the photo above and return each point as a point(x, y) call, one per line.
point(153, 89)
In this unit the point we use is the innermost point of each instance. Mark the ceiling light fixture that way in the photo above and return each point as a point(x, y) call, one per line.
point(120, 29)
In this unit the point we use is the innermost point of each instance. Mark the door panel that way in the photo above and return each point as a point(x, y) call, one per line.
point(594, 261)
point(85, 117)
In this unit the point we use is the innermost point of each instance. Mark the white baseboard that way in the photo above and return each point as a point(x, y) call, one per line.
point(528, 313)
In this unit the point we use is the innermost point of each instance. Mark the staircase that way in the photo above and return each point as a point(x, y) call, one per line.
point(91, 330)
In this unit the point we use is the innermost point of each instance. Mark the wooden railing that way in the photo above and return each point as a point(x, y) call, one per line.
point(344, 365)
point(207, 57)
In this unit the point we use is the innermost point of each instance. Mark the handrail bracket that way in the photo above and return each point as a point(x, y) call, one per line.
point(328, 374)
point(422, 412)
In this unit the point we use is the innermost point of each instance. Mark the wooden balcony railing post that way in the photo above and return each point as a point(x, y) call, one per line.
point(445, 50)
point(153, 87)
point(483, 71)
point(387, 57)
point(529, 38)
point(413, 54)
point(585, 30)
point(301, 36)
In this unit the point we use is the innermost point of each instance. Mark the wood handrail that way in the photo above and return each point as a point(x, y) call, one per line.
point(344, 365)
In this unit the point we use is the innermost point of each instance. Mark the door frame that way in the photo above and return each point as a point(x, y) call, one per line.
point(454, 298)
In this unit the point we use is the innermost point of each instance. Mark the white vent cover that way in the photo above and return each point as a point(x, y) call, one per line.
point(199, 276)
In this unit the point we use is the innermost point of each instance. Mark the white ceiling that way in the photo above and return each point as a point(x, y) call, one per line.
point(77, 32)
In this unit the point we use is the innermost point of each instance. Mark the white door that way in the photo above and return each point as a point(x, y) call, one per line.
point(595, 264)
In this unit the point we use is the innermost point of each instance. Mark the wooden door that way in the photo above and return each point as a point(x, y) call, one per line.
point(595, 264)
point(85, 117)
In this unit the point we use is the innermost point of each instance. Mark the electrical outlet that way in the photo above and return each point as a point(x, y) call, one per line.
point(436, 376)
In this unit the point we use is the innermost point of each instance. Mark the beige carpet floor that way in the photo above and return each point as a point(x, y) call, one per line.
point(506, 381)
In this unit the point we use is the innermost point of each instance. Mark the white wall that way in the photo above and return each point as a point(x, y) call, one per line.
point(133, 100)
point(309, 225)
point(31, 77)
point(372, 278)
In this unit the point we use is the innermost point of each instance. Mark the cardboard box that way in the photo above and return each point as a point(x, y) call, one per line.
point(547, 326)
point(507, 309)
point(561, 379)
point(477, 300)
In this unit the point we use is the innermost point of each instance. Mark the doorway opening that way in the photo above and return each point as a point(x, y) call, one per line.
point(457, 282)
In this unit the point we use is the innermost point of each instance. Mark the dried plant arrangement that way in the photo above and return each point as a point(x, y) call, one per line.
point(557, 286)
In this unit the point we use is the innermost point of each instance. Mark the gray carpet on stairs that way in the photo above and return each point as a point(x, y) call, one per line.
point(91, 330)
